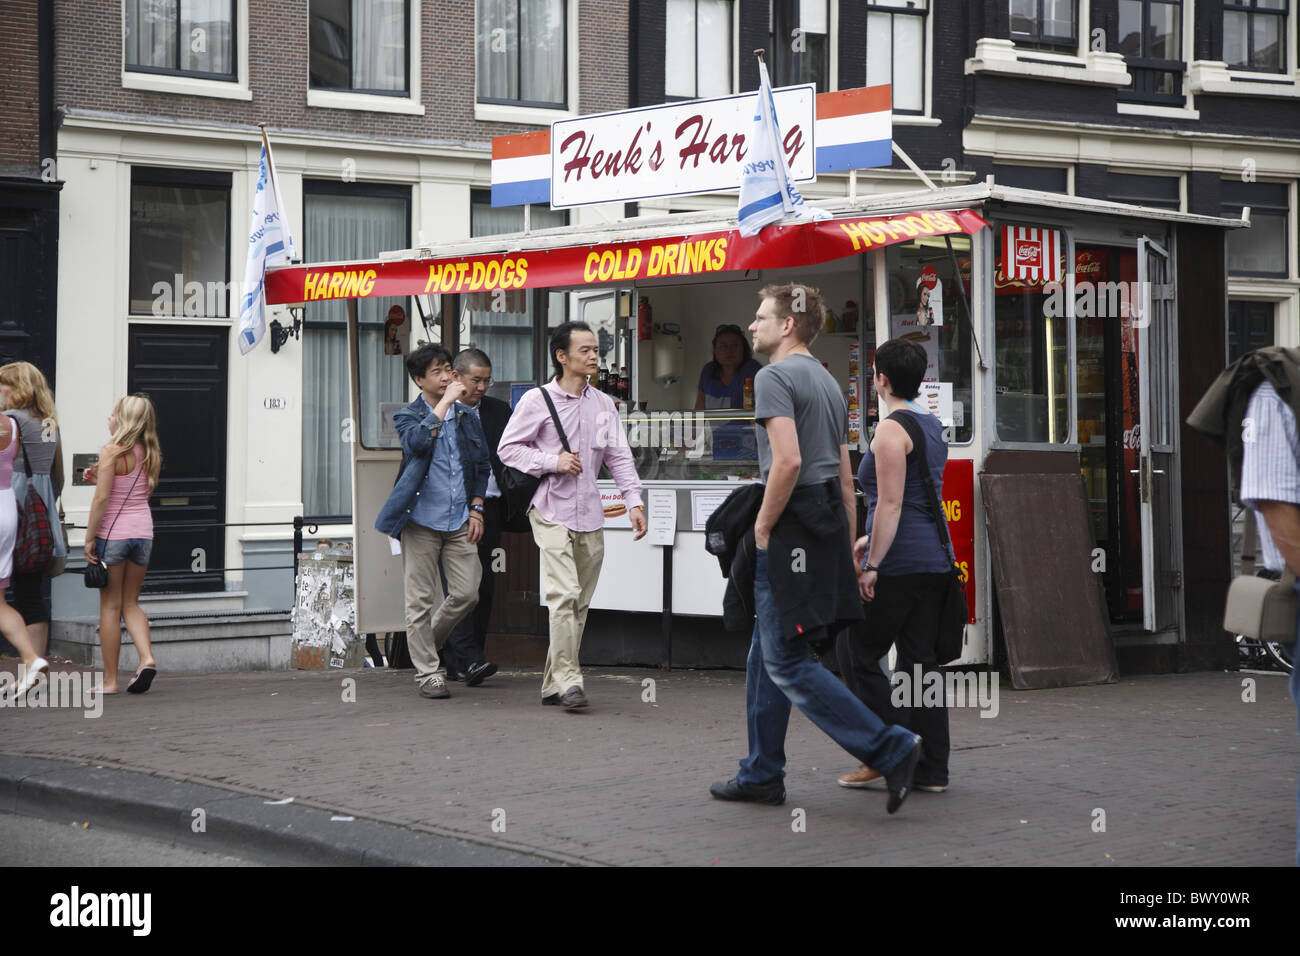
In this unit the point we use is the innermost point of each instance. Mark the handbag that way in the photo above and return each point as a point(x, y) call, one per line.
point(518, 487)
point(1259, 607)
point(34, 544)
point(96, 573)
point(954, 611)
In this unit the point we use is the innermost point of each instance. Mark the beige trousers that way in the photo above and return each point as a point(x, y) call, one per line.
point(570, 567)
point(431, 614)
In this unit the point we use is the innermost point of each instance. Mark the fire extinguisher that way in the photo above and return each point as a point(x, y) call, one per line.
point(644, 320)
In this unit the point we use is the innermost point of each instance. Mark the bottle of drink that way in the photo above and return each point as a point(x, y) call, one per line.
point(603, 379)
point(749, 392)
point(624, 384)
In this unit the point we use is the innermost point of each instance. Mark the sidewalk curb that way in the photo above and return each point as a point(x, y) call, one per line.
point(234, 822)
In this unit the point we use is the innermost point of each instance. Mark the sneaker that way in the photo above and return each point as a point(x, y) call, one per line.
point(899, 780)
point(772, 792)
point(861, 778)
point(435, 688)
point(479, 672)
point(573, 698)
point(930, 787)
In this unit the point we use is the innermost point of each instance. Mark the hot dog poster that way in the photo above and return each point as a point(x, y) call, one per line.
point(615, 508)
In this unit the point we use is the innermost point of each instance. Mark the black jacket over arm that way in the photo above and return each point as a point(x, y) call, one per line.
point(809, 560)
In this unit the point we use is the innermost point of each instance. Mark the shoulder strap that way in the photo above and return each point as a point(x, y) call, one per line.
point(1249, 543)
point(917, 434)
point(22, 445)
point(555, 417)
point(127, 499)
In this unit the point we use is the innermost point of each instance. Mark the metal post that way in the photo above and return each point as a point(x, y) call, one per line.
point(666, 643)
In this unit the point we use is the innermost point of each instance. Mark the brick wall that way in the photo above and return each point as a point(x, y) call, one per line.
point(89, 61)
point(20, 81)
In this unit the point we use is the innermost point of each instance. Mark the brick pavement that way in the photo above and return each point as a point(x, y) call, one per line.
point(1186, 773)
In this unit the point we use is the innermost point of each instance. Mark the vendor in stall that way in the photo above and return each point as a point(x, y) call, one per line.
point(722, 381)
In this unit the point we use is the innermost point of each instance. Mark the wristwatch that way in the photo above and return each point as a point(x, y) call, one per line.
point(870, 567)
point(478, 508)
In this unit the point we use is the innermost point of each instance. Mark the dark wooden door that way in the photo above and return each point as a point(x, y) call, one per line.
point(184, 371)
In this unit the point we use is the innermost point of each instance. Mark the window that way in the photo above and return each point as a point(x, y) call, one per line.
point(1051, 179)
point(1254, 34)
point(1044, 24)
point(522, 52)
point(1162, 192)
point(506, 335)
point(927, 265)
point(1260, 250)
point(801, 47)
point(360, 46)
point(180, 243)
point(344, 221)
point(698, 55)
point(1032, 347)
point(193, 37)
point(896, 51)
point(1151, 39)
point(1250, 327)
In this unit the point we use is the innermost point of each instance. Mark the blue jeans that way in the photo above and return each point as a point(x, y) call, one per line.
point(781, 671)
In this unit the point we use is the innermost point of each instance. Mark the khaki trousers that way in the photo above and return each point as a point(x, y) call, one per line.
point(570, 567)
point(431, 614)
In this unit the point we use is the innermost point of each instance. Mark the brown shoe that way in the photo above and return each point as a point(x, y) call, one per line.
point(573, 699)
point(861, 778)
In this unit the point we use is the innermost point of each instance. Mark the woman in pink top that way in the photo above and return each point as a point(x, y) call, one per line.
point(11, 622)
point(119, 533)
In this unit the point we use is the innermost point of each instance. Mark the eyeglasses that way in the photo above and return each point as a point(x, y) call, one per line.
point(485, 382)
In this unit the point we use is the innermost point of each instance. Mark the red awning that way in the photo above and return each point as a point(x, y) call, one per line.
point(776, 247)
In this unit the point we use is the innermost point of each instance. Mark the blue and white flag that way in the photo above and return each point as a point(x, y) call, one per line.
point(269, 241)
point(767, 192)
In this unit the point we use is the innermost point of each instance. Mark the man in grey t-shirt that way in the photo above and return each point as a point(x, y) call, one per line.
point(801, 419)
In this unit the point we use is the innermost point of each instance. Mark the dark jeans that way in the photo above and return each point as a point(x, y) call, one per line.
point(29, 595)
point(465, 644)
point(905, 614)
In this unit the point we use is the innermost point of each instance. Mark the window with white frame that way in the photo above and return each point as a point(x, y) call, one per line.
point(180, 243)
point(896, 50)
point(360, 46)
point(346, 221)
point(1260, 250)
point(522, 52)
point(698, 55)
point(801, 43)
point(1045, 24)
point(1151, 39)
point(184, 37)
point(1255, 34)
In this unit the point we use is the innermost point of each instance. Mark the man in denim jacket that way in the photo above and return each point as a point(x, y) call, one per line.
point(436, 510)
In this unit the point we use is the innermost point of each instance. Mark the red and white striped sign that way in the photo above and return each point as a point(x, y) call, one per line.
point(1033, 255)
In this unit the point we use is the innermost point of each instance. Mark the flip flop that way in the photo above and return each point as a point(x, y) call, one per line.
point(141, 681)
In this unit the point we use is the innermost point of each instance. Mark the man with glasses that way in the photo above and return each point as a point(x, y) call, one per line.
point(465, 653)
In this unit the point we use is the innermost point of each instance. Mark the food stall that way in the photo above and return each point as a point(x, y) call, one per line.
point(1029, 373)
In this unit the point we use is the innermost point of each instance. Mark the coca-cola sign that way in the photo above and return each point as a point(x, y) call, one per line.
point(673, 149)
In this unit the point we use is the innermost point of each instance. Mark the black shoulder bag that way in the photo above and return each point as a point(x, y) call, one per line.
point(96, 573)
point(954, 612)
point(518, 487)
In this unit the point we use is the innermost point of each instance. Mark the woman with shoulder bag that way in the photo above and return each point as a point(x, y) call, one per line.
point(25, 395)
point(905, 567)
point(11, 622)
point(119, 534)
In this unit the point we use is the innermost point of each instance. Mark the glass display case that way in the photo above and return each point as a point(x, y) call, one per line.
point(717, 445)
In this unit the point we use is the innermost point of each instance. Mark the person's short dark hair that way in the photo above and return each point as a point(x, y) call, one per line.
point(560, 340)
point(418, 362)
point(904, 362)
point(470, 358)
point(715, 369)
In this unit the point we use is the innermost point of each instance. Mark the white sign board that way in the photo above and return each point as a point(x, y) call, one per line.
point(936, 398)
point(703, 504)
point(674, 149)
point(663, 516)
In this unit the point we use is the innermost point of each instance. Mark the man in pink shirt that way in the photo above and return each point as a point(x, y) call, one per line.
point(566, 512)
